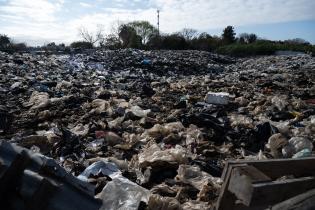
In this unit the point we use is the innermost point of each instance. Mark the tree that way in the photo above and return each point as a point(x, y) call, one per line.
point(252, 38)
point(204, 35)
point(115, 27)
point(135, 41)
point(144, 29)
point(246, 38)
point(188, 33)
point(205, 42)
point(174, 42)
point(112, 42)
point(241, 39)
point(4, 42)
point(125, 33)
point(155, 42)
point(129, 37)
point(88, 36)
point(297, 41)
point(9, 46)
point(228, 35)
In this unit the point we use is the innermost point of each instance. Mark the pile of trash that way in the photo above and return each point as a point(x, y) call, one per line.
point(153, 129)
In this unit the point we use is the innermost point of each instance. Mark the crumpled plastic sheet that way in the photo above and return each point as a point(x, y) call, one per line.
point(241, 120)
point(298, 147)
point(194, 176)
point(80, 130)
point(100, 167)
point(280, 102)
point(163, 130)
point(122, 194)
point(157, 202)
point(38, 100)
point(195, 205)
point(153, 154)
point(136, 110)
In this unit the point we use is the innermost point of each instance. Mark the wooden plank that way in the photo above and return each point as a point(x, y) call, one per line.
point(275, 168)
point(226, 199)
point(267, 194)
point(277, 191)
point(303, 201)
point(224, 172)
point(241, 182)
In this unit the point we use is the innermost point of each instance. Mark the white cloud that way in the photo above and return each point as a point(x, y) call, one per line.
point(31, 19)
point(31, 10)
point(83, 4)
point(40, 19)
point(204, 14)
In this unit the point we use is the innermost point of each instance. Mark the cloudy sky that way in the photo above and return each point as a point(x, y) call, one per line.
point(40, 21)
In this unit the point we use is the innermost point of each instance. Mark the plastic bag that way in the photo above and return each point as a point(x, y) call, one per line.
point(122, 194)
point(100, 167)
point(194, 176)
point(136, 110)
point(154, 155)
point(280, 102)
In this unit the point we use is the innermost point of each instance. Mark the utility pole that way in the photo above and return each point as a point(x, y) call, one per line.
point(158, 21)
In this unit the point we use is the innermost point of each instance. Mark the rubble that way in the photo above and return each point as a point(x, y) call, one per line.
point(161, 123)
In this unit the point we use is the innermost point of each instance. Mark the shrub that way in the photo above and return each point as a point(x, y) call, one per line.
point(173, 42)
point(18, 47)
point(205, 42)
point(4, 42)
point(81, 45)
point(112, 42)
point(263, 47)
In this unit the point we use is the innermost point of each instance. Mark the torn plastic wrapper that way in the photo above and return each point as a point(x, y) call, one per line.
point(122, 194)
point(100, 167)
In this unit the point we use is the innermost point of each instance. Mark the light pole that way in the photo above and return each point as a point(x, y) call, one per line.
point(158, 21)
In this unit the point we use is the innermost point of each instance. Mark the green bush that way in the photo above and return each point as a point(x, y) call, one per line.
point(205, 42)
point(19, 47)
point(174, 42)
point(129, 37)
point(112, 42)
point(5, 42)
point(262, 47)
point(168, 42)
point(81, 45)
point(7, 45)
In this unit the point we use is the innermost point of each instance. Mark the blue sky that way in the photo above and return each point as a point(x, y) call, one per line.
point(40, 21)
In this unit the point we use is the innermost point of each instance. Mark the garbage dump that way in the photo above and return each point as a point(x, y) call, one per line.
point(133, 129)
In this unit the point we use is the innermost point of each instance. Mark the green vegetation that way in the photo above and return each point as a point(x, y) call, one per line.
point(264, 47)
point(7, 45)
point(143, 35)
point(143, 29)
point(228, 36)
point(81, 45)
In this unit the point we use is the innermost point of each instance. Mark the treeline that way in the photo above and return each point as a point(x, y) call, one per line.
point(143, 35)
point(265, 47)
point(7, 45)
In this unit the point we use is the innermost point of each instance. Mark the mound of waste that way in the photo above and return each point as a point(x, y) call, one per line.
point(153, 129)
